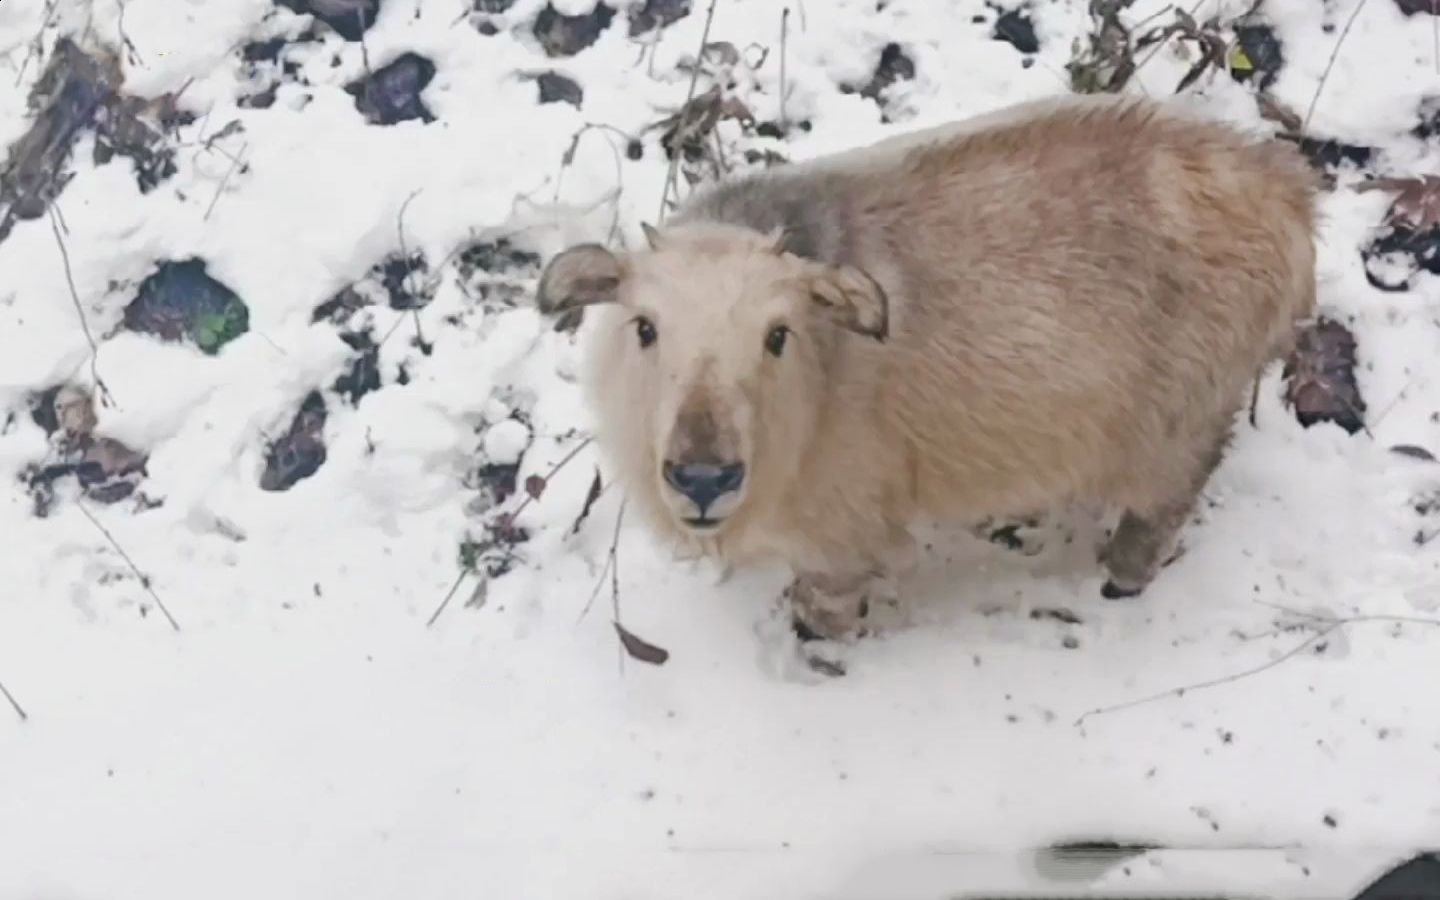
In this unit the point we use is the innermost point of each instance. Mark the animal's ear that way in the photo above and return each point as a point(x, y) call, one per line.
point(581, 276)
point(853, 299)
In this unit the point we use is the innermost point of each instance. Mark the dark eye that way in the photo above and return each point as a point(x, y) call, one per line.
point(775, 340)
point(645, 331)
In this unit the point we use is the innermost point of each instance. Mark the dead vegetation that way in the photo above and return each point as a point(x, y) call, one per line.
point(80, 92)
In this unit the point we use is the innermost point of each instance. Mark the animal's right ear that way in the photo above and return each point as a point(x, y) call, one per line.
point(581, 276)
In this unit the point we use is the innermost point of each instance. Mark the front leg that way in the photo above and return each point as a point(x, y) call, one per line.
point(836, 605)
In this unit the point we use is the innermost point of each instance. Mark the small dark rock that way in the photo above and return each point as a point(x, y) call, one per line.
point(300, 452)
point(1320, 377)
point(894, 66)
point(179, 300)
point(1015, 28)
point(1330, 821)
point(562, 35)
point(556, 88)
point(391, 94)
point(657, 14)
point(350, 18)
point(1262, 48)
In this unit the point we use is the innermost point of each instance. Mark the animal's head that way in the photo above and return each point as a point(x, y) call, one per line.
point(710, 361)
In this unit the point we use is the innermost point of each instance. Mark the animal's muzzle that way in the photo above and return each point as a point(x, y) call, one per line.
point(704, 483)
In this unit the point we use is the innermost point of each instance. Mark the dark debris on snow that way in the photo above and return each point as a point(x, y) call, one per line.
point(181, 301)
point(562, 35)
point(349, 18)
point(300, 452)
point(391, 94)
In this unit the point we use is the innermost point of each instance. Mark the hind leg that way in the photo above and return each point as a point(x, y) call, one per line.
point(1147, 536)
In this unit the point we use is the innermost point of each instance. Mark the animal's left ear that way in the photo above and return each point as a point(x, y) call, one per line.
point(853, 299)
point(585, 274)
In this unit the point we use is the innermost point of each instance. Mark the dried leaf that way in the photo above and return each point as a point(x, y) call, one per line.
point(535, 486)
point(1417, 200)
point(721, 52)
point(1279, 113)
point(1413, 451)
point(596, 486)
point(641, 649)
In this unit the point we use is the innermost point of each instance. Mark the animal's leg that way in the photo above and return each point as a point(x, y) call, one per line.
point(835, 605)
point(1146, 539)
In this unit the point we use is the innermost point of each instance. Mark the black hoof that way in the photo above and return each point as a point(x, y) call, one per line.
point(804, 632)
point(1112, 591)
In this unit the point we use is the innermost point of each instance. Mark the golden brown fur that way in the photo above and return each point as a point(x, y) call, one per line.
point(1072, 299)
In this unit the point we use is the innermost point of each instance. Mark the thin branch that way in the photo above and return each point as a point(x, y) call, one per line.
point(611, 566)
point(678, 150)
point(459, 580)
point(784, 42)
point(235, 162)
point(105, 395)
point(1334, 54)
point(1331, 624)
point(1214, 682)
point(38, 41)
point(19, 711)
point(144, 579)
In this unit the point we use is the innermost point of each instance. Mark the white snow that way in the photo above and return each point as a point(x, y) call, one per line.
point(305, 735)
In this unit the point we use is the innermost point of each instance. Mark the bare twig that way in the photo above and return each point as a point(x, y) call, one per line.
point(459, 580)
point(685, 111)
point(1325, 75)
point(784, 45)
point(105, 395)
point(129, 45)
point(564, 461)
point(1330, 623)
point(144, 579)
point(38, 42)
point(568, 158)
point(611, 566)
point(19, 711)
point(235, 162)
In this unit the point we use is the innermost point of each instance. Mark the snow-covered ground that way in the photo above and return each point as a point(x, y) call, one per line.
point(304, 734)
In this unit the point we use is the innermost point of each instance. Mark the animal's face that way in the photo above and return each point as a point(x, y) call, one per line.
point(709, 360)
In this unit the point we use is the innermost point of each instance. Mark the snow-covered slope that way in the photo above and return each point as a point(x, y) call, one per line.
point(366, 289)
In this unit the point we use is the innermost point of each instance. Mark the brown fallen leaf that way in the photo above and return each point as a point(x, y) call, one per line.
point(1417, 200)
point(1319, 375)
point(641, 649)
point(535, 486)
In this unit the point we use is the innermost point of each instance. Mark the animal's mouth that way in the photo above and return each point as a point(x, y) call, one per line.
point(702, 523)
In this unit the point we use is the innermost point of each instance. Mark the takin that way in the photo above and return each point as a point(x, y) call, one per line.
point(1064, 301)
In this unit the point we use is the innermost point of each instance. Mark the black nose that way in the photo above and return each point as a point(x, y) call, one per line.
point(704, 483)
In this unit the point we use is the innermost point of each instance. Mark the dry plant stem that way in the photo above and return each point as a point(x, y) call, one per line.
point(1334, 55)
point(529, 498)
point(144, 579)
point(19, 710)
point(449, 595)
point(80, 309)
point(1214, 682)
point(1331, 624)
point(610, 568)
point(681, 126)
point(784, 41)
point(235, 162)
point(38, 40)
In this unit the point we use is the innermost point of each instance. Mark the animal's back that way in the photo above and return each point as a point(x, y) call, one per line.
point(1077, 291)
